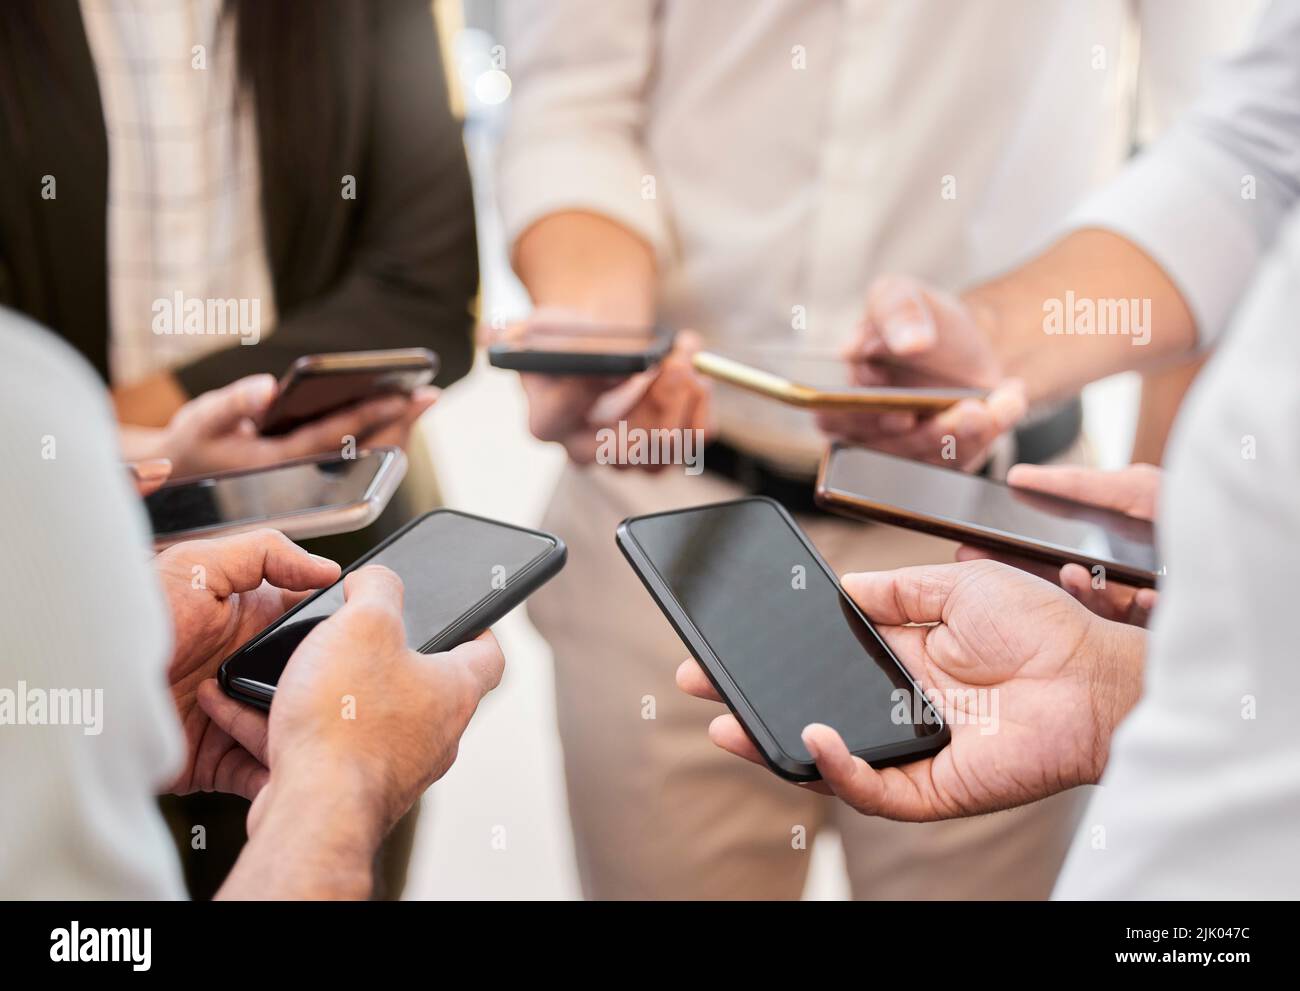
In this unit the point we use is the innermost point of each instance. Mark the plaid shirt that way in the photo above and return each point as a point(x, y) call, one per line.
point(184, 188)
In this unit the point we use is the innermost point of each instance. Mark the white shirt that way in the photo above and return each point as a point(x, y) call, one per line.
point(80, 611)
point(1201, 798)
point(779, 155)
point(184, 183)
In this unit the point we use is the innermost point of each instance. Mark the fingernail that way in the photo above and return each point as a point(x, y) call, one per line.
point(810, 743)
point(153, 470)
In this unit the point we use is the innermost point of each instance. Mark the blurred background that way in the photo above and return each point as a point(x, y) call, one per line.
point(497, 826)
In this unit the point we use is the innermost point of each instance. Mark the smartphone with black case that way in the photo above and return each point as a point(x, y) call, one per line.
point(317, 385)
point(582, 349)
point(306, 497)
point(461, 574)
point(866, 484)
point(777, 636)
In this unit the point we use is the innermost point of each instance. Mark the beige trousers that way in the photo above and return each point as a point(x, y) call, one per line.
point(659, 812)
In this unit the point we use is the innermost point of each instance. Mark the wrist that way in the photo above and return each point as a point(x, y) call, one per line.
point(1115, 655)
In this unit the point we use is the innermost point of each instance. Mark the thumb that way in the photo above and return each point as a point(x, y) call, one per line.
point(221, 410)
point(900, 309)
point(907, 595)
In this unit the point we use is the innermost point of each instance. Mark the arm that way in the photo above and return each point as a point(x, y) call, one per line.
point(413, 271)
point(1180, 230)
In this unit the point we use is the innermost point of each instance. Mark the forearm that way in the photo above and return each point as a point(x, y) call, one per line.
point(1092, 305)
point(315, 839)
point(586, 262)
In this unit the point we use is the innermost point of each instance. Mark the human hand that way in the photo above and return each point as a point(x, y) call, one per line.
point(572, 409)
point(218, 430)
point(1064, 679)
point(221, 593)
point(912, 334)
point(359, 710)
point(1133, 490)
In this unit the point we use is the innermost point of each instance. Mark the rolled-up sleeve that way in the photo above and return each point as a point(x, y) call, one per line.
point(1207, 200)
point(579, 73)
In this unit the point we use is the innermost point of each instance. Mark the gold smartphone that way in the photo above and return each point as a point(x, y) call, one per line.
point(824, 381)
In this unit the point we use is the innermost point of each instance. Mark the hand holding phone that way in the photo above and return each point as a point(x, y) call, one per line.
point(1030, 685)
point(866, 484)
point(461, 574)
point(317, 385)
point(776, 635)
point(1130, 491)
point(409, 710)
point(572, 409)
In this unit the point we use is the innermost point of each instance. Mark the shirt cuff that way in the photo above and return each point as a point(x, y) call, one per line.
point(1183, 219)
point(615, 183)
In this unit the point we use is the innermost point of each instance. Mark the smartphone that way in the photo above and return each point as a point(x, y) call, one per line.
point(307, 497)
point(776, 634)
point(582, 349)
point(319, 384)
point(820, 381)
point(461, 573)
point(858, 482)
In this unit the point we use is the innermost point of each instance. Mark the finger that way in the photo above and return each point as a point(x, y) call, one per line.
point(222, 765)
point(726, 732)
point(242, 723)
point(1125, 490)
point(150, 475)
point(1144, 604)
point(332, 432)
point(219, 411)
point(245, 559)
point(482, 659)
point(898, 306)
point(373, 587)
point(907, 595)
point(693, 681)
point(850, 778)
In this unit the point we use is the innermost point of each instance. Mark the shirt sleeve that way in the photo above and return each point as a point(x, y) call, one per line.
point(1207, 200)
point(580, 74)
point(88, 730)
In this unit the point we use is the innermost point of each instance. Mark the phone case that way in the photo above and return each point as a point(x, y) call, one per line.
point(777, 759)
point(859, 507)
point(470, 625)
point(406, 368)
point(880, 399)
point(545, 362)
point(310, 522)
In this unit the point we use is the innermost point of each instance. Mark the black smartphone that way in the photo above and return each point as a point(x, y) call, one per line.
point(865, 484)
point(781, 641)
point(582, 349)
point(461, 574)
point(307, 497)
point(317, 385)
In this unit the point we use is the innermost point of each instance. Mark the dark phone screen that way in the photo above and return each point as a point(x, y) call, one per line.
point(448, 563)
point(779, 625)
point(312, 395)
point(262, 495)
point(996, 509)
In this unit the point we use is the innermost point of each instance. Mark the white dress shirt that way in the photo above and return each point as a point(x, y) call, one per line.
point(1201, 798)
point(184, 183)
point(80, 611)
point(779, 155)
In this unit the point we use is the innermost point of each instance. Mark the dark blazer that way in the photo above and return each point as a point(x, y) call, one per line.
point(395, 267)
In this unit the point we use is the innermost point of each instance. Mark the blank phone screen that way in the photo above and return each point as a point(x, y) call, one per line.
point(266, 494)
point(994, 509)
point(780, 626)
point(449, 564)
